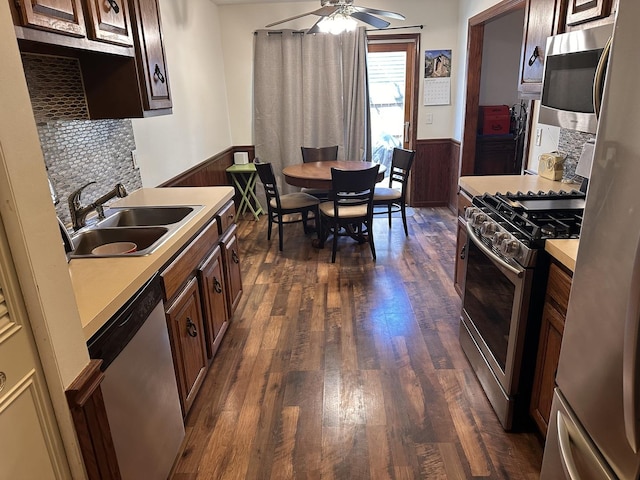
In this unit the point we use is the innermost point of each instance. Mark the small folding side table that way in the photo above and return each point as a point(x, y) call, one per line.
point(244, 177)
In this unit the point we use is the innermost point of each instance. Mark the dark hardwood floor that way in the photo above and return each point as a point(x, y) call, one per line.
point(350, 370)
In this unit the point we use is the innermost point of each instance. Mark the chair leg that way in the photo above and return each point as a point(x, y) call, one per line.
point(280, 241)
point(270, 225)
point(335, 243)
point(370, 235)
point(389, 213)
point(404, 219)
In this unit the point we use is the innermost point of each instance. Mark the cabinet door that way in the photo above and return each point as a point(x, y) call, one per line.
point(109, 21)
point(154, 79)
point(60, 16)
point(541, 21)
point(213, 293)
point(546, 366)
point(580, 11)
point(231, 260)
point(187, 342)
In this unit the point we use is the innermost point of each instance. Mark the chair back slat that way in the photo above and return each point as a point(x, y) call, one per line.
point(268, 179)
point(353, 187)
point(320, 154)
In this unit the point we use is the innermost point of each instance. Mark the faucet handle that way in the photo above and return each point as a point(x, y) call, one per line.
point(74, 198)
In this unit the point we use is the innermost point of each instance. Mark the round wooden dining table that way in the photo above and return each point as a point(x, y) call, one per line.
point(318, 174)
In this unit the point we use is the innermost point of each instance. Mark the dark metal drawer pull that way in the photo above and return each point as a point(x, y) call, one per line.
point(114, 6)
point(534, 56)
point(217, 286)
point(158, 73)
point(192, 331)
point(234, 256)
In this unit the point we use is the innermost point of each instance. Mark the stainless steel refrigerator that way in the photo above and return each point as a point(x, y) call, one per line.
point(594, 428)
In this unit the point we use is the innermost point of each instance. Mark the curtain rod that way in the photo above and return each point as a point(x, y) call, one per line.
point(302, 32)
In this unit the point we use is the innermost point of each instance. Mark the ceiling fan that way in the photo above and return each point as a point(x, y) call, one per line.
point(341, 11)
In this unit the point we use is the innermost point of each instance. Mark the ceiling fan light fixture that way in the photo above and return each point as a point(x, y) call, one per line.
point(337, 23)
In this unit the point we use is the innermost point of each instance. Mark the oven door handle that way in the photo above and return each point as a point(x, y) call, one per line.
point(487, 251)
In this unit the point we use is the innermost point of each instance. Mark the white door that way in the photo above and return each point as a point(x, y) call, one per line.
point(30, 444)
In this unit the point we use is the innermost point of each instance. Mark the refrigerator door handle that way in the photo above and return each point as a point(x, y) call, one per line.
point(566, 458)
point(565, 438)
point(630, 358)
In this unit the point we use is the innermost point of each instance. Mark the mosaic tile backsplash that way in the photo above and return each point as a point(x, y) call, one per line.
point(76, 150)
point(571, 143)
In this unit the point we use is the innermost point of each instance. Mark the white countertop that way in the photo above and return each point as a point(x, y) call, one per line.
point(565, 251)
point(103, 285)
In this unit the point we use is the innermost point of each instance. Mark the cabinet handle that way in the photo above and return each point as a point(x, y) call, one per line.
point(3, 380)
point(234, 257)
point(463, 252)
point(158, 73)
point(114, 6)
point(191, 328)
point(534, 56)
point(217, 286)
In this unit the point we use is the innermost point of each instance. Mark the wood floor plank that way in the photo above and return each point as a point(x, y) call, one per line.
point(350, 370)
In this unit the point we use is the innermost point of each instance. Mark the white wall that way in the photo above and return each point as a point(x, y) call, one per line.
point(501, 60)
point(199, 126)
point(467, 9)
point(238, 22)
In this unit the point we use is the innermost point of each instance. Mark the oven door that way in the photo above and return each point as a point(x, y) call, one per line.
point(494, 316)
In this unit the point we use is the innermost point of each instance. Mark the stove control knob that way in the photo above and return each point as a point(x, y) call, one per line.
point(510, 247)
point(488, 229)
point(478, 218)
point(498, 238)
point(468, 213)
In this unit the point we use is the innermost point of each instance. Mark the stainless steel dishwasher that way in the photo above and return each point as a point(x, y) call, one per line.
point(139, 388)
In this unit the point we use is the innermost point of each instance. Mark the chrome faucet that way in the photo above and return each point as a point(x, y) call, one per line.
point(79, 213)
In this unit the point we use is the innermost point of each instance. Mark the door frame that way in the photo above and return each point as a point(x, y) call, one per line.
point(412, 86)
point(475, 40)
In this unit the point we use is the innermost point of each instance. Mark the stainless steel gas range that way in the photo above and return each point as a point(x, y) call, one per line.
point(505, 280)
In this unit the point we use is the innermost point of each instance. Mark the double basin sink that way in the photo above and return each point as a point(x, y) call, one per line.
point(147, 227)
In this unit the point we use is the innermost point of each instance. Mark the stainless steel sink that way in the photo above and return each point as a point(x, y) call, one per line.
point(148, 227)
point(145, 216)
point(147, 239)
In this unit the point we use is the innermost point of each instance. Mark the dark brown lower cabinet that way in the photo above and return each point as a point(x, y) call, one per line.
point(551, 330)
point(186, 330)
point(214, 301)
point(231, 260)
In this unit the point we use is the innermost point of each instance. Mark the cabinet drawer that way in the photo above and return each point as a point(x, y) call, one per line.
point(226, 216)
point(187, 262)
point(559, 287)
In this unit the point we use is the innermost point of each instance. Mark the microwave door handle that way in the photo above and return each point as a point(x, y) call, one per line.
point(598, 83)
point(487, 251)
point(630, 358)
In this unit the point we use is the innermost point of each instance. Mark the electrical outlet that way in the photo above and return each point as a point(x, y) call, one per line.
point(538, 137)
point(429, 118)
point(134, 159)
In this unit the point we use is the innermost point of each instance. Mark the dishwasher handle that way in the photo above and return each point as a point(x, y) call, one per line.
point(107, 343)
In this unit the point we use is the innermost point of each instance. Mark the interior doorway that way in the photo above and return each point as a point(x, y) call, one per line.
point(392, 63)
point(476, 80)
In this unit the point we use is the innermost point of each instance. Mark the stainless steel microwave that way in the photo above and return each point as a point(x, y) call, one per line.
point(573, 78)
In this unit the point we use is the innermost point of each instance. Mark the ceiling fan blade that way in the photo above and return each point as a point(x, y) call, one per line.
point(383, 13)
point(316, 26)
point(370, 19)
point(323, 12)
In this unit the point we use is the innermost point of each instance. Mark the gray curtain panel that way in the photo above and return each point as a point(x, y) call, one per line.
point(309, 90)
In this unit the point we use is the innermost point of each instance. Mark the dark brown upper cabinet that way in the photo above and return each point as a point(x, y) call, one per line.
point(109, 21)
point(60, 16)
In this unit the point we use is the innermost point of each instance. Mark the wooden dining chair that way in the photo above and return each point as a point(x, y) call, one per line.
point(350, 212)
point(394, 199)
point(280, 205)
point(319, 154)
